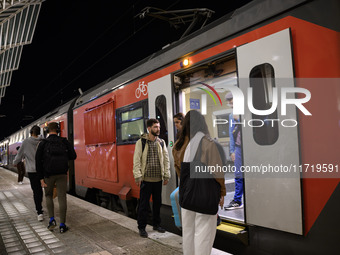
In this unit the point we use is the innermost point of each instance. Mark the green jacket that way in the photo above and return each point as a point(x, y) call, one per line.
point(139, 160)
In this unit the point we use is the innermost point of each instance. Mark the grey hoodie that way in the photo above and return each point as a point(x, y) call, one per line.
point(27, 151)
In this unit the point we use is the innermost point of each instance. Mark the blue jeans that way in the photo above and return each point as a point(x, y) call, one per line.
point(238, 175)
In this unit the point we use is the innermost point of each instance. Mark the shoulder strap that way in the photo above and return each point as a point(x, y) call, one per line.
point(221, 151)
point(198, 152)
point(143, 144)
point(161, 142)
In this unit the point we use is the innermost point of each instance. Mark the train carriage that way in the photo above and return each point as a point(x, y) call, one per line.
point(279, 57)
point(277, 44)
point(63, 116)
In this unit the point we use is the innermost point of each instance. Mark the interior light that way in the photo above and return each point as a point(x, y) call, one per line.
point(185, 62)
point(204, 104)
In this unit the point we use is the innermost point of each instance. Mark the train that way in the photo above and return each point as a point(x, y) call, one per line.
point(281, 59)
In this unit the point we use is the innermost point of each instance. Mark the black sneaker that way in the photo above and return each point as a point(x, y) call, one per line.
point(159, 229)
point(63, 229)
point(143, 233)
point(51, 225)
point(233, 205)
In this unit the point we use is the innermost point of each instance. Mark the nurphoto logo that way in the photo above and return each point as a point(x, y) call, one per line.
point(238, 107)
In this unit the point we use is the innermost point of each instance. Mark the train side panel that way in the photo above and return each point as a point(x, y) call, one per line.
point(99, 160)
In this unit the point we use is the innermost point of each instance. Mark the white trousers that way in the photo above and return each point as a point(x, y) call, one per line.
point(198, 232)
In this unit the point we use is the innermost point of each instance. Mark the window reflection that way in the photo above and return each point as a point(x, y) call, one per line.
point(262, 80)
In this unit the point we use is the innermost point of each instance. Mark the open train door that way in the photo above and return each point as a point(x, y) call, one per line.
point(272, 200)
point(161, 108)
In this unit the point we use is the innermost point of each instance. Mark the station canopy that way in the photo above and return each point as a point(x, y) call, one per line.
point(18, 19)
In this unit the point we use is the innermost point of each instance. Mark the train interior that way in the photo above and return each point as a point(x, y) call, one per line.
point(193, 93)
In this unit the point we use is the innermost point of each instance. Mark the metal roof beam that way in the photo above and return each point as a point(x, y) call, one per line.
point(18, 19)
point(18, 27)
point(9, 59)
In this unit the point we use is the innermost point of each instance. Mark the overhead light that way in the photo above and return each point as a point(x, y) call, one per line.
point(185, 63)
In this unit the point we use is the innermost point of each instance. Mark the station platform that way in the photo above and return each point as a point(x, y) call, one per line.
point(92, 229)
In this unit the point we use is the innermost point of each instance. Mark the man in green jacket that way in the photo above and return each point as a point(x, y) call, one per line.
point(150, 168)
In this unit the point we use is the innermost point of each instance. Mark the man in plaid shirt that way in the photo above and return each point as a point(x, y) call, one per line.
point(150, 168)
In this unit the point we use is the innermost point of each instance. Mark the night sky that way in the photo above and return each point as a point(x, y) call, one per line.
point(78, 44)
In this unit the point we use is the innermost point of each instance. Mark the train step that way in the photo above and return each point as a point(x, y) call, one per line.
point(237, 231)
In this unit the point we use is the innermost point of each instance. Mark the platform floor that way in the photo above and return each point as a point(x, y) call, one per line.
point(92, 229)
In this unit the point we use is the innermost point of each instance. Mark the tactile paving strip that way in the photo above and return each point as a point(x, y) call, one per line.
point(20, 232)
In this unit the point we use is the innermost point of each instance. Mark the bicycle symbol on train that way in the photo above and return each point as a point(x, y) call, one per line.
point(142, 89)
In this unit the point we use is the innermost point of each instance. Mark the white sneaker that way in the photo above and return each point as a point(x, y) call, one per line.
point(40, 217)
point(20, 183)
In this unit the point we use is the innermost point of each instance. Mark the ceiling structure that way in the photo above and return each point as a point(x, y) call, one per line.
point(18, 19)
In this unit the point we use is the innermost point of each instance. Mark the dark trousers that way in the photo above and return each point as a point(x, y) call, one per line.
point(37, 191)
point(21, 171)
point(146, 190)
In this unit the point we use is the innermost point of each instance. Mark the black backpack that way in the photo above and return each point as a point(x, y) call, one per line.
point(55, 156)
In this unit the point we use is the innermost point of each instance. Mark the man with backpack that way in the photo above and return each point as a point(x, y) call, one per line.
point(52, 158)
point(150, 168)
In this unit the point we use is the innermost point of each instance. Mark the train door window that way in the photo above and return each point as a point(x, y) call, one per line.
point(131, 122)
point(262, 81)
point(161, 115)
point(222, 130)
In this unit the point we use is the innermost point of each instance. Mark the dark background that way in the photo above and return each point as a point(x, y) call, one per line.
point(78, 44)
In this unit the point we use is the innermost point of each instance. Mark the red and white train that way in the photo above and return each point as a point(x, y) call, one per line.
point(267, 46)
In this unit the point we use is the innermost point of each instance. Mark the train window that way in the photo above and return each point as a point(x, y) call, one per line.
point(262, 80)
point(131, 122)
point(128, 115)
point(99, 124)
point(161, 115)
point(223, 130)
point(132, 130)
